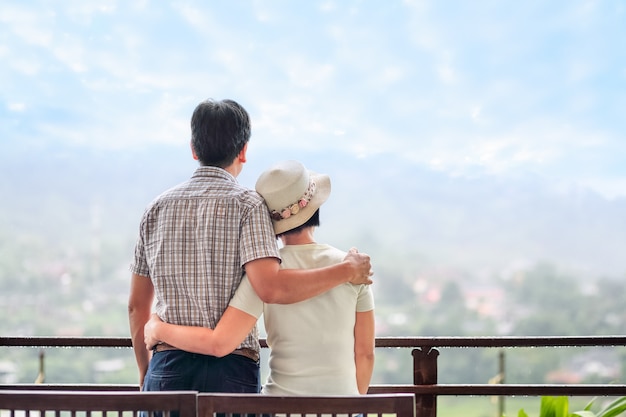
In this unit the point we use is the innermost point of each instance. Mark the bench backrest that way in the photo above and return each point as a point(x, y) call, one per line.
point(399, 405)
point(97, 403)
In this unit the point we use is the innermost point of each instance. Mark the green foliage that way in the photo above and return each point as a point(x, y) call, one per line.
point(559, 407)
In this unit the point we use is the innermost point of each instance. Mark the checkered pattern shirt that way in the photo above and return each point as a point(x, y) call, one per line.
point(193, 242)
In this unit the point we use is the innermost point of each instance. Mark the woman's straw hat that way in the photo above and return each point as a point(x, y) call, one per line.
point(292, 194)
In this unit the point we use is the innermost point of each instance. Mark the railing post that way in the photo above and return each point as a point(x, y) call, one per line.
point(502, 373)
point(425, 373)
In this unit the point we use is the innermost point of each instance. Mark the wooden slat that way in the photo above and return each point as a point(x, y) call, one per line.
point(402, 405)
point(183, 402)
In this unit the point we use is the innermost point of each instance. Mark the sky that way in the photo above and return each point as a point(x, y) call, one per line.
point(497, 88)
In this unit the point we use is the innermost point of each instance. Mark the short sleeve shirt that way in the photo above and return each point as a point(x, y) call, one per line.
point(194, 240)
point(312, 342)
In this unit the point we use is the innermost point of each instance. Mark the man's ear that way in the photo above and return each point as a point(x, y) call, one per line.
point(193, 151)
point(242, 154)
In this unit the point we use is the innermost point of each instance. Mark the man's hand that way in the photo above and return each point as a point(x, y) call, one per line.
point(150, 331)
point(361, 267)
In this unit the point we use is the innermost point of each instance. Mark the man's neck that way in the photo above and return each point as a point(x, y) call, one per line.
point(234, 169)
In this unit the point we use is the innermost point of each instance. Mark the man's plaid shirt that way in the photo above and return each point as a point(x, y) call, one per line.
point(193, 242)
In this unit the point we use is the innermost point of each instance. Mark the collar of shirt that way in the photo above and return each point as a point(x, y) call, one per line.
point(215, 172)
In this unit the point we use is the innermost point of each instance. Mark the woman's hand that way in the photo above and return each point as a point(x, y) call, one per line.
point(150, 331)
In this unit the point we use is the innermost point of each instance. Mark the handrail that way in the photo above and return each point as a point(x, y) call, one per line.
point(503, 341)
point(72, 341)
point(424, 351)
point(381, 342)
point(582, 390)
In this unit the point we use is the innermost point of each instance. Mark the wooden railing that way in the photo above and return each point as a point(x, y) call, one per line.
point(194, 404)
point(425, 353)
point(92, 404)
point(374, 405)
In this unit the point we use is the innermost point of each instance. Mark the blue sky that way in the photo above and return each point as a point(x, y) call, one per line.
point(467, 88)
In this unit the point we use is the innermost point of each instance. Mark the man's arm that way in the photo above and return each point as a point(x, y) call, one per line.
point(139, 306)
point(286, 286)
point(230, 331)
point(364, 345)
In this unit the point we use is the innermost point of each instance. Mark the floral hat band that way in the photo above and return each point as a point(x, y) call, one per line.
point(294, 208)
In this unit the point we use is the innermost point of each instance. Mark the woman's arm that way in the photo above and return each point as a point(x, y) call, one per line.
point(230, 331)
point(364, 344)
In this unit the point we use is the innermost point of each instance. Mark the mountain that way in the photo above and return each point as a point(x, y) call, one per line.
point(387, 206)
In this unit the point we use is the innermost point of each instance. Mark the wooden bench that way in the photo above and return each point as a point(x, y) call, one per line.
point(97, 403)
point(399, 405)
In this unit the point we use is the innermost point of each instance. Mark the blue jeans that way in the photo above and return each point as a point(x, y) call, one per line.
point(177, 370)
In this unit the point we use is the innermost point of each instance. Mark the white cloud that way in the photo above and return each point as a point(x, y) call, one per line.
point(16, 107)
point(196, 17)
point(489, 96)
point(71, 52)
point(27, 25)
point(611, 188)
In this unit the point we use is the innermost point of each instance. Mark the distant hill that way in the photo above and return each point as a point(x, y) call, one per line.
point(387, 206)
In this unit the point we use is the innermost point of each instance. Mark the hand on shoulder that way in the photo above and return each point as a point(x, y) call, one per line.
point(361, 267)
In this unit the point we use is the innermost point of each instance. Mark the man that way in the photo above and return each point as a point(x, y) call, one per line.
point(195, 243)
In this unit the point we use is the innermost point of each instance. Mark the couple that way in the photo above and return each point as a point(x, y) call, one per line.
point(198, 239)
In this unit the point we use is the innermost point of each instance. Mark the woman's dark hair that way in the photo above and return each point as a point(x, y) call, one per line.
point(219, 131)
point(313, 221)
